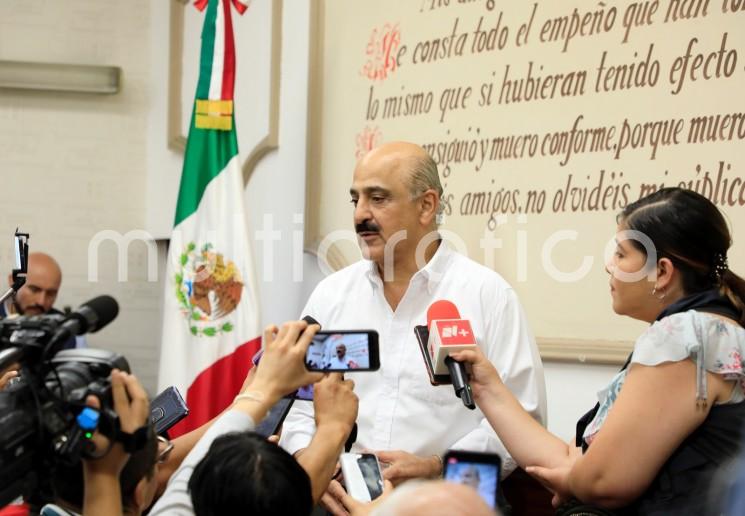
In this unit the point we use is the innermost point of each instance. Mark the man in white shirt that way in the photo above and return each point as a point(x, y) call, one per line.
point(339, 360)
point(403, 418)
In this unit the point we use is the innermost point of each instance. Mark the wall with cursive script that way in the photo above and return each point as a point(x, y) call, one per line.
point(545, 119)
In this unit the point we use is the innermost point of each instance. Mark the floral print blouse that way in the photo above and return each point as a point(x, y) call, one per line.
point(714, 344)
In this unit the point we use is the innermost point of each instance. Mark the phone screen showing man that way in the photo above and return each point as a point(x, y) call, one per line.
point(342, 351)
point(477, 470)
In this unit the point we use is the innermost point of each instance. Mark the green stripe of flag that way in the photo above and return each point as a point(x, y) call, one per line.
point(208, 151)
point(208, 50)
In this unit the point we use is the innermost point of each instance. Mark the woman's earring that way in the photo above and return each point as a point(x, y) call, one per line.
point(661, 295)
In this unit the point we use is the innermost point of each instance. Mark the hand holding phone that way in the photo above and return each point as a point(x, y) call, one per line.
point(343, 350)
point(271, 424)
point(362, 477)
point(478, 470)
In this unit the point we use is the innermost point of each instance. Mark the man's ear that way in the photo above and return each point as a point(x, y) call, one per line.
point(428, 202)
point(10, 280)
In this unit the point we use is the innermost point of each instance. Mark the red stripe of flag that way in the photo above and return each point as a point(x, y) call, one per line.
point(228, 69)
point(213, 390)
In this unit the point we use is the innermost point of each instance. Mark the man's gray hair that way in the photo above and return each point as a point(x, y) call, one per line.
point(423, 177)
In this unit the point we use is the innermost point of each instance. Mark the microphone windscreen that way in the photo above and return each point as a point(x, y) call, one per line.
point(441, 310)
point(97, 313)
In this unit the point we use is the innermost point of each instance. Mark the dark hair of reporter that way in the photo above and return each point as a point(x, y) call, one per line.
point(68, 480)
point(242, 473)
point(687, 228)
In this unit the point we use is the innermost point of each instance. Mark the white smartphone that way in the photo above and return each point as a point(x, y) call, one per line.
point(362, 477)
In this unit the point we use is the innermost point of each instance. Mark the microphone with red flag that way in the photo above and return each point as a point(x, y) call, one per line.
point(448, 333)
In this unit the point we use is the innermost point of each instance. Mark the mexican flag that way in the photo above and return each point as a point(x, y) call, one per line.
point(210, 316)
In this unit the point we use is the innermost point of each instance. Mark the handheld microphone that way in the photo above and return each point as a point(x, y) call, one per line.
point(447, 333)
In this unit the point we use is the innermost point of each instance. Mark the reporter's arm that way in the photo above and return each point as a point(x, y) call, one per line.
point(525, 439)
point(335, 411)
point(319, 459)
point(102, 493)
point(654, 412)
point(509, 349)
point(184, 444)
point(281, 371)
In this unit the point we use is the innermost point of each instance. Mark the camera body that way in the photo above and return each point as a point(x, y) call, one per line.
point(39, 425)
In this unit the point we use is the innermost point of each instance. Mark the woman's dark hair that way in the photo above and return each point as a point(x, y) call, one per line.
point(688, 229)
point(242, 473)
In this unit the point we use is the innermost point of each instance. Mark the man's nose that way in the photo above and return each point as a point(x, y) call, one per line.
point(361, 211)
point(45, 299)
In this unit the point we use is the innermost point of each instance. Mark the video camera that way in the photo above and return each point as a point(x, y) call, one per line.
point(42, 421)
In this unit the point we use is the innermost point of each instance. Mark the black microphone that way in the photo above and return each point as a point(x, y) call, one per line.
point(90, 317)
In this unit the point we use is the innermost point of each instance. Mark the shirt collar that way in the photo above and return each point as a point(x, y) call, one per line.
point(431, 273)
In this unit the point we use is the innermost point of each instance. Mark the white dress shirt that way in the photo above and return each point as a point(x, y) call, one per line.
point(399, 408)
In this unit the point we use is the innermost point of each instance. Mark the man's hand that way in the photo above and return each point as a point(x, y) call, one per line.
point(5, 378)
point(133, 408)
point(102, 493)
point(7, 374)
point(354, 507)
point(335, 404)
point(402, 466)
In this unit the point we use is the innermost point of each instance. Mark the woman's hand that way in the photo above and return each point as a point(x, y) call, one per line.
point(556, 479)
point(482, 374)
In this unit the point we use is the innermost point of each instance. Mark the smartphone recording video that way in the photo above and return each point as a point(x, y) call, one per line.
point(478, 470)
point(362, 477)
point(344, 350)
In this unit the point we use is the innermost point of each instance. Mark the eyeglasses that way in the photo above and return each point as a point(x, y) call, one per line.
point(164, 449)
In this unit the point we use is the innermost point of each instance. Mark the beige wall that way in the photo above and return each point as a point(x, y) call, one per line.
point(445, 73)
point(73, 165)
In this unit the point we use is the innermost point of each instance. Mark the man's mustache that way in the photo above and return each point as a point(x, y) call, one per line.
point(366, 227)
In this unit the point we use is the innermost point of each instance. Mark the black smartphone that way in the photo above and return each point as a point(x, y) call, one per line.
point(478, 470)
point(343, 350)
point(273, 420)
point(167, 409)
point(20, 247)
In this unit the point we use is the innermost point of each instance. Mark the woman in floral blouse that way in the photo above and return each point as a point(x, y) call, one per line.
point(675, 412)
